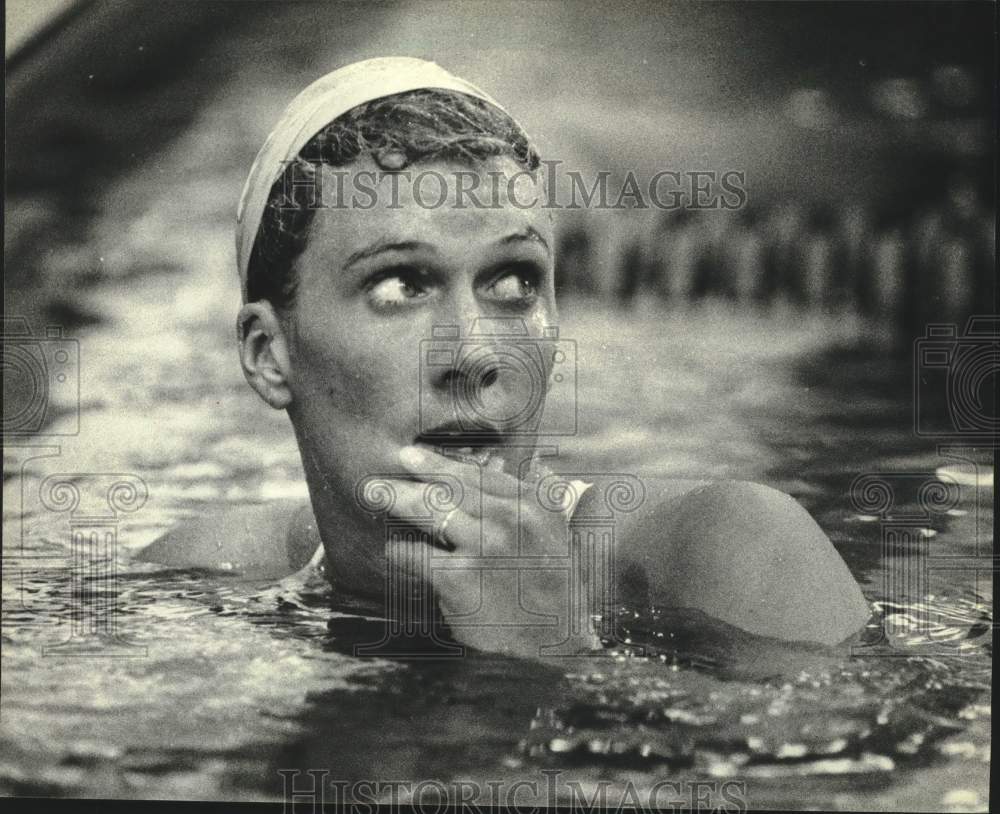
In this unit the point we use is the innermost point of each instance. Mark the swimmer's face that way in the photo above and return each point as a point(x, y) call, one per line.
point(373, 284)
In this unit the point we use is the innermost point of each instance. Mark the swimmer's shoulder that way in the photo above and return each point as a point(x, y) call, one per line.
point(263, 541)
point(743, 552)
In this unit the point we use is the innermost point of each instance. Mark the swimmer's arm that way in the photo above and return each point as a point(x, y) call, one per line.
point(743, 553)
point(258, 541)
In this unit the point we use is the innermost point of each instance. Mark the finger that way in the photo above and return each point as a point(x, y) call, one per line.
point(494, 496)
point(483, 525)
point(424, 462)
point(451, 528)
point(419, 459)
point(417, 500)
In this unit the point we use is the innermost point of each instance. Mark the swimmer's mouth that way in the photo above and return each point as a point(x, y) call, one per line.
point(481, 447)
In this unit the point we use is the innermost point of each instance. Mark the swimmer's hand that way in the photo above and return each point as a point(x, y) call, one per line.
point(493, 604)
point(741, 552)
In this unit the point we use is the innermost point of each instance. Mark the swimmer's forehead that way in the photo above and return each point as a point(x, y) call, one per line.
point(360, 242)
point(407, 217)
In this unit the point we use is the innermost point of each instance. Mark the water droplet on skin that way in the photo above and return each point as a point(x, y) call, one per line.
point(392, 159)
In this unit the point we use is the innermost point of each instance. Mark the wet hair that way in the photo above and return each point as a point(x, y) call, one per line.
point(398, 130)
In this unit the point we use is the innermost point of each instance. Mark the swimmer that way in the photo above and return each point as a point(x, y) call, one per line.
point(347, 266)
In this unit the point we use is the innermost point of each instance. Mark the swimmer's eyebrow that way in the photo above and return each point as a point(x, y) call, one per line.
point(528, 233)
point(379, 247)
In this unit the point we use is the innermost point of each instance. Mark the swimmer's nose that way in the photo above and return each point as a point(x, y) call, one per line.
point(481, 387)
point(475, 360)
point(475, 369)
point(482, 368)
point(479, 379)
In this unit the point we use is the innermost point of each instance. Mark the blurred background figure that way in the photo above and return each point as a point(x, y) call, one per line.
point(783, 253)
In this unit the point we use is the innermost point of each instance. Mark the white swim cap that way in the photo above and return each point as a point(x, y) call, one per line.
point(312, 110)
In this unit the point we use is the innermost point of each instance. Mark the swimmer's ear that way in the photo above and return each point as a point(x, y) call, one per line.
point(264, 353)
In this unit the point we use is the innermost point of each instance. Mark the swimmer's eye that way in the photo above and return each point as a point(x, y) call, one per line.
point(516, 285)
point(398, 287)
